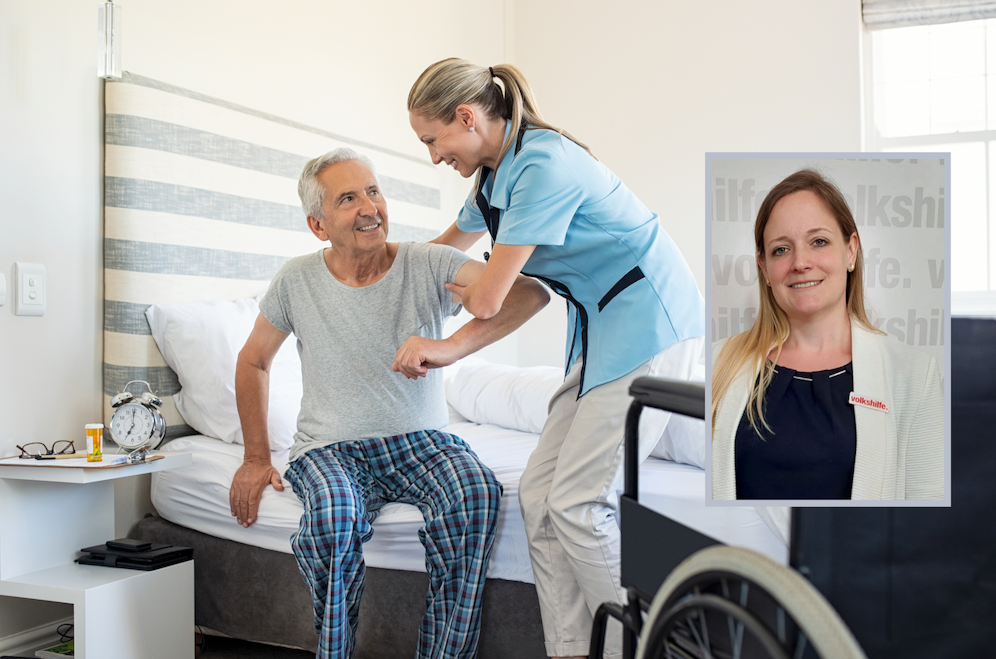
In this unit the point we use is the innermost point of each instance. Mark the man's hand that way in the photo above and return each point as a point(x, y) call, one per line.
point(247, 488)
point(418, 354)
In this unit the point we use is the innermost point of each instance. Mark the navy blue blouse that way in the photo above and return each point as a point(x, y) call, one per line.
point(810, 453)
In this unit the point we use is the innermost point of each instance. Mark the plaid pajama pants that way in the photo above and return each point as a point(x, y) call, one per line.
point(343, 486)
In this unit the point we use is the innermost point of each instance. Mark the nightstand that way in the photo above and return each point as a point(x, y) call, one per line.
point(47, 514)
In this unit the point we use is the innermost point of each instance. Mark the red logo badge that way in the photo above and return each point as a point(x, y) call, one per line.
point(864, 401)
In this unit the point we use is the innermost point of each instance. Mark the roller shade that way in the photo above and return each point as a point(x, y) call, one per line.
point(882, 14)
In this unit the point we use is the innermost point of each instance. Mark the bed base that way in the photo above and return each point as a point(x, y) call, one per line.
point(259, 595)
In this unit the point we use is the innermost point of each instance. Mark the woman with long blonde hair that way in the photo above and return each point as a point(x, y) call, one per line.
point(554, 212)
point(813, 402)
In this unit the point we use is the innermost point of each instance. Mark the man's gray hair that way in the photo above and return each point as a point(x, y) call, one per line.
point(310, 189)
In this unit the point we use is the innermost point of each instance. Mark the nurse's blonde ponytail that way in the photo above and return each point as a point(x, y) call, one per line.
point(452, 82)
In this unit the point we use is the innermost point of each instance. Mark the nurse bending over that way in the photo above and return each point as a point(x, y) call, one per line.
point(554, 212)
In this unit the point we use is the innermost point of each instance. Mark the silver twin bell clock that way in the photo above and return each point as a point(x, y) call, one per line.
point(136, 421)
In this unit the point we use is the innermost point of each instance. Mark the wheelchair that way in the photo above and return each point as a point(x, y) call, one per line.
point(883, 582)
point(702, 599)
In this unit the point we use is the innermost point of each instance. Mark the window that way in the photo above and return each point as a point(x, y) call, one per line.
point(933, 88)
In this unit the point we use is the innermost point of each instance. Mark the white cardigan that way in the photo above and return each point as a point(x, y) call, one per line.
point(900, 453)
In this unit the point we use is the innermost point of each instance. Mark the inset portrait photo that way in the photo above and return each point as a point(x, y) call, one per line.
point(829, 295)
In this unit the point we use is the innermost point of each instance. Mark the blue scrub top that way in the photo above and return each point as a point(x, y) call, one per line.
point(593, 240)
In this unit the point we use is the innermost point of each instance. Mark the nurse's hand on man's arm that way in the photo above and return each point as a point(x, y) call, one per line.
point(486, 291)
point(525, 298)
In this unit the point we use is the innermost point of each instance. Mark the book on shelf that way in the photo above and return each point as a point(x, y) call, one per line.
point(60, 651)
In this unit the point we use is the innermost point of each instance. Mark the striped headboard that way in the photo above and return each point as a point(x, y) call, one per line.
point(200, 203)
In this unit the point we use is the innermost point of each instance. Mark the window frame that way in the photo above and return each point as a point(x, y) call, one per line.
point(962, 303)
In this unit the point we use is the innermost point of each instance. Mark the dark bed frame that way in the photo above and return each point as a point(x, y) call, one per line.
point(259, 595)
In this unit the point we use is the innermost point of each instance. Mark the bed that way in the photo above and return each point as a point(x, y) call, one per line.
point(245, 575)
point(200, 213)
point(235, 600)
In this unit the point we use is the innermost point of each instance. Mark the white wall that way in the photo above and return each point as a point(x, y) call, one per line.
point(50, 214)
point(650, 86)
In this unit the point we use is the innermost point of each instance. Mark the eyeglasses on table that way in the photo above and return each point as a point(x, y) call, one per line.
point(31, 449)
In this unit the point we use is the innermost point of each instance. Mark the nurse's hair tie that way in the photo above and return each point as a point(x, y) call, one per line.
point(492, 71)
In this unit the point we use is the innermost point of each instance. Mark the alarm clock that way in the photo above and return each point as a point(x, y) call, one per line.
point(136, 421)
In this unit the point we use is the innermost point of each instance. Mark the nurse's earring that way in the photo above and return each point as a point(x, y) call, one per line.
point(471, 129)
point(850, 267)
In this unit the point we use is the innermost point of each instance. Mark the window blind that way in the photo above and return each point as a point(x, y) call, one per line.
point(882, 14)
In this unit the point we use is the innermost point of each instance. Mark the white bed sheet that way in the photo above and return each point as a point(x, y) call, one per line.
point(197, 497)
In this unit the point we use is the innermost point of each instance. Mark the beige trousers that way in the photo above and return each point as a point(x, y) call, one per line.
point(569, 495)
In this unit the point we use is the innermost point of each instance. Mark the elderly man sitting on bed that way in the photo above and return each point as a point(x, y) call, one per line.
point(366, 428)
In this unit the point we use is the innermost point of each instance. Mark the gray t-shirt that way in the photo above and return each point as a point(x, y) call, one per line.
point(347, 338)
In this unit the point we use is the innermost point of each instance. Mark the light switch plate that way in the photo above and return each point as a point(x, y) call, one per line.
point(29, 289)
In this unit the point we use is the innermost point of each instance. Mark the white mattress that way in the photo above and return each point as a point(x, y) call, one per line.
point(197, 497)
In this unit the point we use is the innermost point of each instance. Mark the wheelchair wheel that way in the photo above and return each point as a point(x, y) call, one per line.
point(733, 603)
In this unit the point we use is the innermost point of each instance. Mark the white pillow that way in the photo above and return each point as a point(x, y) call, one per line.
point(683, 440)
point(201, 342)
point(508, 396)
point(519, 398)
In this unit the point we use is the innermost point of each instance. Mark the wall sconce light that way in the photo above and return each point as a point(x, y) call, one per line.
point(109, 41)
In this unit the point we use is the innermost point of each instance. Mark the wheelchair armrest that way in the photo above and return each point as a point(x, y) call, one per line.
point(686, 398)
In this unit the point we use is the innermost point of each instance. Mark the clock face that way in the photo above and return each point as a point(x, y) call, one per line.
point(132, 425)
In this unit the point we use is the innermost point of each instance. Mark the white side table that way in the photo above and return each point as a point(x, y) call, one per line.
point(47, 514)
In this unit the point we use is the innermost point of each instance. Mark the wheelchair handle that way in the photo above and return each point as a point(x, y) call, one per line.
point(676, 396)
